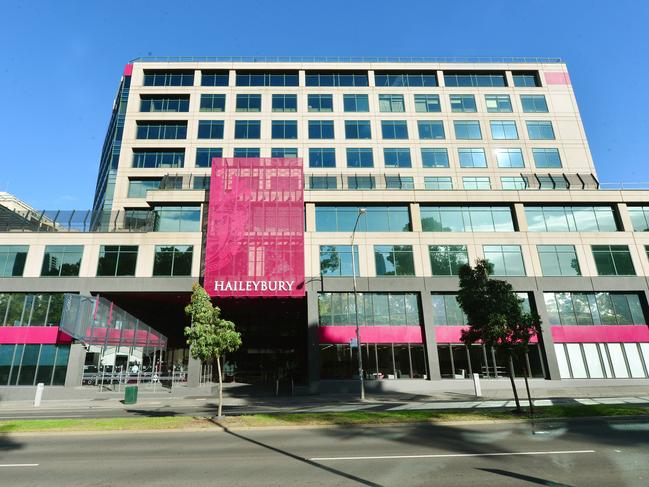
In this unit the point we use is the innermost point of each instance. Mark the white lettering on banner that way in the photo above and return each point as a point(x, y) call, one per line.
point(246, 286)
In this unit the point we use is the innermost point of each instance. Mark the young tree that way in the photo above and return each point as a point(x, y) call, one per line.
point(495, 316)
point(209, 336)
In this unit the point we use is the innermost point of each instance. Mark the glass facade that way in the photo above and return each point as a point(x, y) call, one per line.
point(427, 103)
point(600, 308)
point(374, 309)
point(28, 365)
point(506, 259)
point(355, 103)
point(166, 103)
point(466, 219)
point(12, 260)
point(376, 219)
point(336, 260)
point(322, 103)
point(204, 156)
point(62, 260)
point(431, 129)
point(446, 260)
point(173, 260)
point(360, 157)
point(212, 102)
point(177, 219)
point(21, 309)
point(394, 260)
point(639, 218)
point(559, 260)
point(613, 260)
point(117, 260)
point(161, 130)
point(434, 157)
point(162, 158)
point(570, 219)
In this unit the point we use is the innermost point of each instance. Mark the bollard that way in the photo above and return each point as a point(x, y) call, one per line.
point(476, 385)
point(39, 394)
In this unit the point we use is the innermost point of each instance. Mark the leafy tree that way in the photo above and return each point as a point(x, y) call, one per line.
point(209, 336)
point(495, 316)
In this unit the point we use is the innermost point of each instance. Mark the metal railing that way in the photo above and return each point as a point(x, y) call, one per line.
point(348, 59)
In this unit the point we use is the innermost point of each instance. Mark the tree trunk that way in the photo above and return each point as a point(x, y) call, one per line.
point(218, 367)
point(511, 379)
point(528, 372)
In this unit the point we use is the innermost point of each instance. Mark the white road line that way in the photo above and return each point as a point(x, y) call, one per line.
point(455, 455)
point(20, 465)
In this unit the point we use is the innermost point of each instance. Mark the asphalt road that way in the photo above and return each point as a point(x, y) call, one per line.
point(554, 454)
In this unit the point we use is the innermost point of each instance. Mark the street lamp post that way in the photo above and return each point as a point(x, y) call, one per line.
point(361, 211)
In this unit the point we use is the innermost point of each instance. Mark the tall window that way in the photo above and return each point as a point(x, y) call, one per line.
point(570, 219)
point(466, 219)
point(173, 260)
point(498, 103)
point(613, 260)
point(446, 260)
point(540, 130)
point(438, 183)
point(534, 104)
point(268, 78)
point(506, 259)
point(331, 218)
point(559, 260)
point(526, 79)
point(210, 129)
point(284, 129)
point(336, 260)
point(431, 129)
point(434, 157)
point(322, 157)
point(375, 309)
point(475, 79)
point(177, 218)
point(427, 103)
point(391, 103)
point(503, 130)
point(164, 103)
point(117, 260)
point(359, 157)
point(247, 129)
point(248, 103)
point(215, 78)
point(168, 78)
point(467, 130)
point(546, 158)
point(284, 103)
point(396, 157)
point(321, 129)
point(472, 157)
point(509, 157)
point(463, 103)
point(320, 103)
point(394, 260)
point(602, 308)
point(212, 103)
point(158, 158)
point(476, 182)
point(334, 78)
point(356, 103)
point(447, 311)
point(204, 156)
point(394, 129)
point(62, 260)
point(161, 130)
point(12, 260)
point(358, 129)
point(639, 217)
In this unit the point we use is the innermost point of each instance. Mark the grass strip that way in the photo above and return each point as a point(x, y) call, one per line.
point(104, 424)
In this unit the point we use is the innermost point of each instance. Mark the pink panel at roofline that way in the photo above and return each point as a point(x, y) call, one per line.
point(32, 335)
point(600, 334)
point(128, 70)
point(370, 334)
point(557, 78)
point(255, 228)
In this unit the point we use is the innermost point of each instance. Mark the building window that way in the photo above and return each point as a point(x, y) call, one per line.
point(397, 157)
point(322, 157)
point(438, 183)
point(431, 129)
point(284, 129)
point(204, 156)
point(173, 260)
point(463, 104)
point(215, 78)
point(467, 130)
point(245, 152)
point(284, 103)
point(474, 79)
point(503, 130)
point(509, 157)
point(434, 157)
point(158, 158)
point(391, 103)
point(447, 311)
point(540, 130)
point(399, 182)
point(323, 182)
point(321, 129)
point(534, 104)
point(164, 103)
point(529, 79)
point(356, 103)
point(602, 308)
point(360, 182)
point(558, 260)
point(358, 129)
point(247, 129)
point(283, 152)
point(472, 157)
point(394, 218)
point(466, 219)
point(270, 78)
point(426, 78)
point(476, 182)
point(513, 182)
point(394, 260)
point(248, 103)
point(20, 309)
point(506, 259)
point(639, 217)
point(212, 103)
point(168, 78)
point(320, 103)
point(12, 260)
point(331, 78)
point(498, 103)
point(446, 260)
point(375, 309)
point(570, 219)
point(117, 260)
point(359, 157)
point(427, 103)
point(613, 260)
point(62, 260)
point(161, 130)
point(210, 129)
point(137, 188)
point(177, 219)
point(201, 183)
point(336, 260)
point(394, 129)
point(28, 365)
point(546, 158)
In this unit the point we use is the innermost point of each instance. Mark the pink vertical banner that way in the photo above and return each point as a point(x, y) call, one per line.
point(255, 228)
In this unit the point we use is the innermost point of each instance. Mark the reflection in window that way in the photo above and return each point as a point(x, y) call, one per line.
point(394, 260)
point(336, 260)
point(507, 260)
point(376, 219)
point(466, 219)
point(173, 260)
point(62, 260)
point(602, 308)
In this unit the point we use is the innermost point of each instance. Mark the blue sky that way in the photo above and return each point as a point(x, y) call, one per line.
point(61, 62)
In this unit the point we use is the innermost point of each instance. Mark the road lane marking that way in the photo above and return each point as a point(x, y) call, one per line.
point(454, 455)
point(20, 465)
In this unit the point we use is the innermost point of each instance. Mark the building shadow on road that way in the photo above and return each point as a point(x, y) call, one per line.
point(7, 443)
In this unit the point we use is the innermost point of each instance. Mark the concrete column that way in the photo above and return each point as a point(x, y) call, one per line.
point(194, 368)
point(415, 215)
point(551, 364)
point(625, 219)
point(310, 217)
point(76, 361)
point(440, 78)
point(313, 342)
point(510, 78)
point(519, 213)
point(430, 342)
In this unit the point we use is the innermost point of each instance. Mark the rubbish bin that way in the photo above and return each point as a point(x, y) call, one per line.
point(130, 395)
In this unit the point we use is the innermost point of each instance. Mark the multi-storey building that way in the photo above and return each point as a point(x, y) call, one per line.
point(430, 164)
